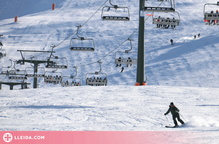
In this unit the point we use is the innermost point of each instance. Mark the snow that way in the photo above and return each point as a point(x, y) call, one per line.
point(185, 73)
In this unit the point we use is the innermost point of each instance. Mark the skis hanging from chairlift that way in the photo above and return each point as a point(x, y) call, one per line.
point(115, 13)
point(81, 43)
point(211, 17)
point(120, 60)
point(97, 78)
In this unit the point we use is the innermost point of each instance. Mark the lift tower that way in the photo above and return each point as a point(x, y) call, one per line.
point(140, 79)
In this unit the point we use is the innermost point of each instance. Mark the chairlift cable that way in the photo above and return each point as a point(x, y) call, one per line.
point(77, 30)
point(95, 12)
point(81, 25)
point(119, 45)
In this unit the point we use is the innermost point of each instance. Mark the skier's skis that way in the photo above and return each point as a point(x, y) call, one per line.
point(175, 126)
point(171, 126)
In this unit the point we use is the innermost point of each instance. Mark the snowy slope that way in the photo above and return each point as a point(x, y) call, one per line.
point(123, 108)
point(188, 63)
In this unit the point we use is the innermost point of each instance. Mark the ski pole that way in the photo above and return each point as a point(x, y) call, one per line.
point(182, 117)
point(167, 119)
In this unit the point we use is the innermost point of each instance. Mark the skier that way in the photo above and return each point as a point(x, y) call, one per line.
point(122, 69)
point(171, 41)
point(158, 25)
point(173, 26)
point(211, 16)
point(199, 35)
point(194, 36)
point(175, 113)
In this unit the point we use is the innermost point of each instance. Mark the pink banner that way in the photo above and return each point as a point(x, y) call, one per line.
point(93, 137)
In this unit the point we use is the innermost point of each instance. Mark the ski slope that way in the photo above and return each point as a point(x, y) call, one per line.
point(188, 63)
point(112, 108)
point(185, 73)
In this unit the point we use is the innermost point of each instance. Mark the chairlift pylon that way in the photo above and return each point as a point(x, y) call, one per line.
point(170, 8)
point(212, 17)
point(115, 13)
point(97, 78)
point(127, 60)
point(81, 43)
point(165, 23)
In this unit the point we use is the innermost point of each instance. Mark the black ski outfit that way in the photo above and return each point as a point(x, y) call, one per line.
point(175, 113)
point(171, 41)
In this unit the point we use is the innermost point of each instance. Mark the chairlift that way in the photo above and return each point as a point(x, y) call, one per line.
point(97, 78)
point(81, 43)
point(2, 53)
point(18, 75)
point(169, 8)
point(11, 70)
point(158, 0)
point(211, 17)
point(119, 60)
point(165, 23)
point(53, 77)
point(115, 13)
point(70, 82)
point(39, 74)
point(57, 62)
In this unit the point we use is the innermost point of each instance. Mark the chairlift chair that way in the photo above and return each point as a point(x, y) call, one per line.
point(71, 81)
point(97, 78)
point(158, 0)
point(212, 17)
point(128, 60)
point(2, 53)
point(81, 43)
point(167, 9)
point(33, 74)
point(164, 23)
point(57, 63)
point(115, 13)
point(53, 77)
point(18, 75)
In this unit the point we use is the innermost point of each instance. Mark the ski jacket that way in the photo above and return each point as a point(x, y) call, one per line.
point(174, 110)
